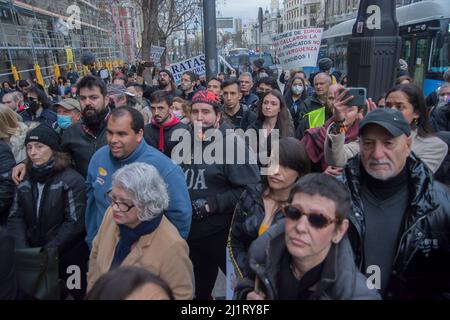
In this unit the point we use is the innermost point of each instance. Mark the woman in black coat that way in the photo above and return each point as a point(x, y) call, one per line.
point(49, 205)
point(258, 207)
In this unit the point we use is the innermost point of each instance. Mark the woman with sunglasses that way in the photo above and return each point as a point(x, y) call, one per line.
point(306, 256)
point(135, 232)
point(258, 208)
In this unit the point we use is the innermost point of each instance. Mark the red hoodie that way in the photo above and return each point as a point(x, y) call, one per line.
point(173, 121)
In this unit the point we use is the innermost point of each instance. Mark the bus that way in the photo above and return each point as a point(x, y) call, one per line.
point(425, 33)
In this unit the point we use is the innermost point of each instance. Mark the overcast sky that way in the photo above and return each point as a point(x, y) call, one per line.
point(245, 9)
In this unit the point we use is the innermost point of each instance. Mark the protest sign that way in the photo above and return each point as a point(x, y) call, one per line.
point(298, 48)
point(156, 52)
point(195, 64)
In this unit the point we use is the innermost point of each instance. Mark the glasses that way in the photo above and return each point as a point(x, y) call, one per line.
point(120, 206)
point(316, 220)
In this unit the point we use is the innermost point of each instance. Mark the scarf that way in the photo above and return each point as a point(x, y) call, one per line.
point(42, 173)
point(129, 236)
point(314, 141)
point(173, 121)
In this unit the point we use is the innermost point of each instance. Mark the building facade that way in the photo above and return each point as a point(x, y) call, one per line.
point(337, 11)
point(43, 32)
point(128, 23)
point(303, 14)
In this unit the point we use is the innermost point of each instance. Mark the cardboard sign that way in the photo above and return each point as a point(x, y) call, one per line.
point(298, 48)
point(195, 64)
point(156, 52)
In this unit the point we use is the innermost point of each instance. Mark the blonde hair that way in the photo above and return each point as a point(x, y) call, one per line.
point(9, 124)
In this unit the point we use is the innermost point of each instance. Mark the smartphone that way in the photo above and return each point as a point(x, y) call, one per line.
point(359, 97)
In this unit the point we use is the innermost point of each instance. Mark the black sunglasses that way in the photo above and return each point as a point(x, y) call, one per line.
point(316, 220)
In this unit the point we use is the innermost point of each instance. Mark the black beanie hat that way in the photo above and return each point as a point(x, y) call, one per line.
point(325, 64)
point(45, 135)
point(168, 72)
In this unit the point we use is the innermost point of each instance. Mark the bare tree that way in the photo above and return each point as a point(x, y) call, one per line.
point(162, 18)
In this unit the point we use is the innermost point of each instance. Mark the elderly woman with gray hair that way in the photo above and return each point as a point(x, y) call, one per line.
point(134, 232)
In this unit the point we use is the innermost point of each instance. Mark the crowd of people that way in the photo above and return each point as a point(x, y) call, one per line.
point(352, 194)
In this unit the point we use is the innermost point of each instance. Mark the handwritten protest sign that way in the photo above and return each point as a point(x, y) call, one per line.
point(156, 52)
point(298, 48)
point(195, 64)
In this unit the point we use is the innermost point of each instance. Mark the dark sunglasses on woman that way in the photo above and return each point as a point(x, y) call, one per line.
point(316, 220)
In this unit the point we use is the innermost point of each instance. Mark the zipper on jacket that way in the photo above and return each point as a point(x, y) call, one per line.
point(402, 238)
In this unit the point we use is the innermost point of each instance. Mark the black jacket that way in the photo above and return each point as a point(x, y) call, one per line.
point(9, 286)
point(60, 220)
point(443, 173)
point(244, 121)
point(7, 187)
point(423, 259)
point(440, 118)
point(249, 99)
point(220, 184)
point(151, 136)
point(248, 216)
point(82, 145)
point(339, 280)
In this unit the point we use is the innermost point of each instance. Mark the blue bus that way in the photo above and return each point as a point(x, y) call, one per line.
point(425, 33)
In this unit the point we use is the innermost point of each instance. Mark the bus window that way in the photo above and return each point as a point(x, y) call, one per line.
point(421, 59)
point(440, 52)
point(406, 54)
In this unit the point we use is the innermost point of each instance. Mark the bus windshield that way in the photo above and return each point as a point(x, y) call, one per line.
point(440, 53)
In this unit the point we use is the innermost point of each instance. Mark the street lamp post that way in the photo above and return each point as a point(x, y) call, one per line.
point(374, 49)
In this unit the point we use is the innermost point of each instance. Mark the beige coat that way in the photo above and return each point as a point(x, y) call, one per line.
point(431, 150)
point(163, 252)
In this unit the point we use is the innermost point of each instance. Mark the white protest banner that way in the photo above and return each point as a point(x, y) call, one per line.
point(156, 52)
point(298, 48)
point(195, 64)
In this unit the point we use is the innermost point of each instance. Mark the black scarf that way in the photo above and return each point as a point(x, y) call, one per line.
point(42, 173)
point(383, 189)
point(129, 236)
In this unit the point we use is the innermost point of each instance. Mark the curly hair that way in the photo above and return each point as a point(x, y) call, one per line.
point(146, 187)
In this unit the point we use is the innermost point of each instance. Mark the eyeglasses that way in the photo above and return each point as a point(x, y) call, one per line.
point(120, 206)
point(316, 220)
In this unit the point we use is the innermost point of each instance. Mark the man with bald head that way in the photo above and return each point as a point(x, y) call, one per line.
point(317, 110)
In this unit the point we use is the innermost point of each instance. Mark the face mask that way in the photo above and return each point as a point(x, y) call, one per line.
point(444, 99)
point(297, 90)
point(64, 121)
point(178, 114)
point(34, 106)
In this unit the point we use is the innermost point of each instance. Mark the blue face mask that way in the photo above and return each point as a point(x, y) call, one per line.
point(64, 121)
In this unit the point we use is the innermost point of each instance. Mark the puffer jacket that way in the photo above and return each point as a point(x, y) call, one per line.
point(248, 216)
point(60, 221)
point(340, 278)
point(422, 261)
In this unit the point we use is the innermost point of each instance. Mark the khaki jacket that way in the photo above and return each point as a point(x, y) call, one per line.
point(163, 252)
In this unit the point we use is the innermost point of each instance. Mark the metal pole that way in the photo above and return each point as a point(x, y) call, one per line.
point(211, 59)
point(374, 49)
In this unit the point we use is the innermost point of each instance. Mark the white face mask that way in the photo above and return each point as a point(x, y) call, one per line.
point(297, 90)
point(178, 114)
